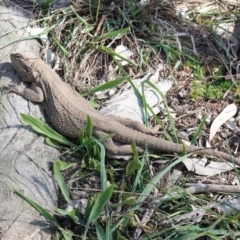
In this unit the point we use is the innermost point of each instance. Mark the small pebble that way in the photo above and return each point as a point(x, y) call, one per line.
point(224, 134)
point(209, 118)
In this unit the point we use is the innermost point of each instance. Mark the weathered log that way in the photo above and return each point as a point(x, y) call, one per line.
point(24, 158)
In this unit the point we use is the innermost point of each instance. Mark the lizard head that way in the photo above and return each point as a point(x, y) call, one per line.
point(23, 63)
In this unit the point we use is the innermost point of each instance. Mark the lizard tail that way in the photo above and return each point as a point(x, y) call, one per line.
point(159, 144)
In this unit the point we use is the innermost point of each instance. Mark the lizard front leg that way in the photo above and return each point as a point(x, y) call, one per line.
point(33, 94)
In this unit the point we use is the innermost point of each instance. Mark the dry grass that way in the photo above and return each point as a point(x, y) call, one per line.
point(84, 36)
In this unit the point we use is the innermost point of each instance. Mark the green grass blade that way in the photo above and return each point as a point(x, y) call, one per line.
point(65, 165)
point(138, 179)
point(113, 34)
point(102, 166)
point(132, 166)
point(199, 129)
point(144, 103)
point(97, 207)
point(61, 48)
point(53, 143)
point(167, 110)
point(84, 144)
point(149, 188)
point(105, 86)
point(98, 9)
point(42, 128)
point(60, 181)
point(47, 4)
point(128, 201)
point(89, 207)
point(141, 99)
point(100, 204)
point(100, 232)
point(67, 235)
point(114, 54)
point(89, 127)
point(73, 214)
point(81, 20)
point(40, 209)
point(108, 228)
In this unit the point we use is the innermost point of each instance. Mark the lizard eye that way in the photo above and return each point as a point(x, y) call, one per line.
point(18, 56)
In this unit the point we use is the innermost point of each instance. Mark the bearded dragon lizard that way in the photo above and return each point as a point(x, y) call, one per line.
point(67, 112)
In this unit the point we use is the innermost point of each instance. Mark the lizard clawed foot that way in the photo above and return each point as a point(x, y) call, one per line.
point(155, 129)
point(15, 88)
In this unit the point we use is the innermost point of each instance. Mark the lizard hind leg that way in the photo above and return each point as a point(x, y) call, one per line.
point(135, 125)
point(112, 148)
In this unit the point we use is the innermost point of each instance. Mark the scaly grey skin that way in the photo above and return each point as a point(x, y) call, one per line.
point(67, 111)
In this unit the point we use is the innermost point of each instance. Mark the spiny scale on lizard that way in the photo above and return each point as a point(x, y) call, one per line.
point(68, 111)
